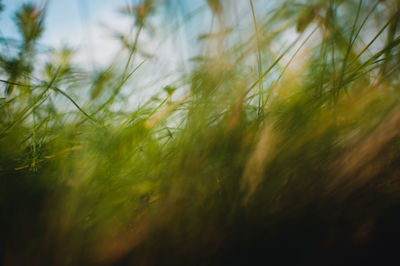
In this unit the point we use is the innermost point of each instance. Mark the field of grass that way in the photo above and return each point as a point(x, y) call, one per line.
point(280, 145)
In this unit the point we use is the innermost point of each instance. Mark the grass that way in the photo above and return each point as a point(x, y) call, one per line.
point(297, 163)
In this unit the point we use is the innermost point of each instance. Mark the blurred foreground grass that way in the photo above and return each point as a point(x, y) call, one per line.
point(267, 152)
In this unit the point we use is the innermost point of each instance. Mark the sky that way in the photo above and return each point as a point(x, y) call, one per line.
point(78, 23)
point(89, 26)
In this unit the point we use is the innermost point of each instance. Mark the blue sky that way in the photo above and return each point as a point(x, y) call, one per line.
point(78, 23)
point(63, 16)
point(87, 25)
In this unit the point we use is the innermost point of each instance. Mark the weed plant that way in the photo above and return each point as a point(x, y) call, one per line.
point(270, 150)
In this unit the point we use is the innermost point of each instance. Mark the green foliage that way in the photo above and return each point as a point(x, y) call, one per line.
point(29, 20)
point(271, 147)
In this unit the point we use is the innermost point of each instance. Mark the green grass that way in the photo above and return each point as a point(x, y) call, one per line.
point(266, 151)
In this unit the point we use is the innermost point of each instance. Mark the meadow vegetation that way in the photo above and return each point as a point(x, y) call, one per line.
point(279, 145)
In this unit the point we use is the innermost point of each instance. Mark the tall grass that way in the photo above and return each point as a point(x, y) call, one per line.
point(278, 146)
